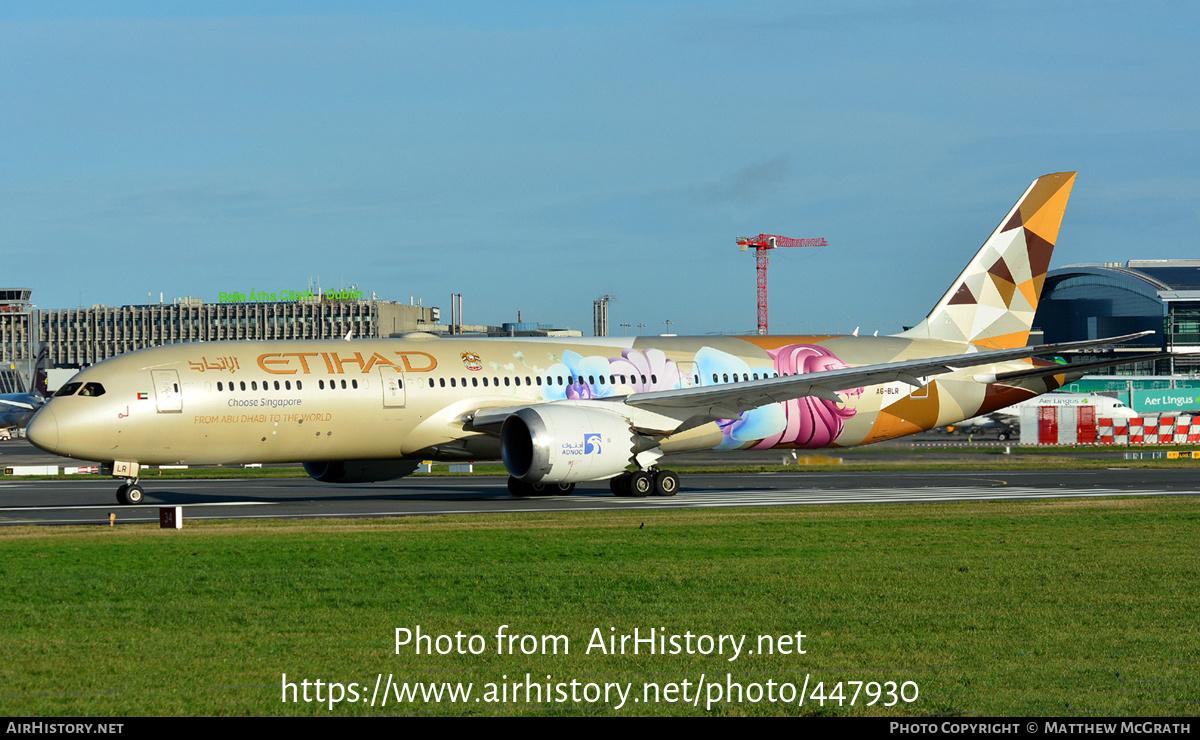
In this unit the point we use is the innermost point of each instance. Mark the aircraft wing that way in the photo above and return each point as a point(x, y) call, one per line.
point(1074, 368)
point(728, 401)
point(18, 404)
point(685, 408)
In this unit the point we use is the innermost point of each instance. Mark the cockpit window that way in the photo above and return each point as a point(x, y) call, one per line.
point(68, 389)
point(92, 389)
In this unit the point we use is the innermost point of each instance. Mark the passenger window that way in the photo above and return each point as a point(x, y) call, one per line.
point(343, 384)
point(243, 385)
point(321, 384)
point(354, 383)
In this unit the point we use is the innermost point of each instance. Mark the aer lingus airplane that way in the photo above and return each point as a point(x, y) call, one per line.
point(564, 411)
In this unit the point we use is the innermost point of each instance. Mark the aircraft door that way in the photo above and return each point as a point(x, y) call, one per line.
point(392, 379)
point(166, 391)
point(687, 374)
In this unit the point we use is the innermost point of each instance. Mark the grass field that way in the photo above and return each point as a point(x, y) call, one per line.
point(1066, 607)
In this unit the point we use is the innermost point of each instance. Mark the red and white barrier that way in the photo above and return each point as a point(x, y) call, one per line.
point(1148, 430)
point(1071, 425)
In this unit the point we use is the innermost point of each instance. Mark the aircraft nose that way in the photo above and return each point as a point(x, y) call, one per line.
point(42, 430)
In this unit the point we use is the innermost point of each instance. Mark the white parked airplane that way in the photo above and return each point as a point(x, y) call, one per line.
point(1004, 421)
point(563, 411)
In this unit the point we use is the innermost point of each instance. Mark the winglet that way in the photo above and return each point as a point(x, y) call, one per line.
point(993, 301)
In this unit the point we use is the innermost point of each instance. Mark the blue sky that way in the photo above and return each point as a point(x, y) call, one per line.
point(535, 156)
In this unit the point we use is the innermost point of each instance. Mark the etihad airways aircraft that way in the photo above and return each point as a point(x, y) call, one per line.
point(565, 411)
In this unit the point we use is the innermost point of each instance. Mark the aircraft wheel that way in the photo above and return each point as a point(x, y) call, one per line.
point(130, 493)
point(1002, 436)
point(641, 484)
point(619, 485)
point(666, 483)
point(519, 488)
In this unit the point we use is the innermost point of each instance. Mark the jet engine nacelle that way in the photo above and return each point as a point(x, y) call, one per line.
point(566, 444)
point(359, 471)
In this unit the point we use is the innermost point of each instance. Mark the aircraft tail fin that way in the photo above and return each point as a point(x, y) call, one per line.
point(40, 377)
point(993, 301)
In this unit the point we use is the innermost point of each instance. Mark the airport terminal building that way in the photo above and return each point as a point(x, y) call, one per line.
point(77, 337)
point(1096, 300)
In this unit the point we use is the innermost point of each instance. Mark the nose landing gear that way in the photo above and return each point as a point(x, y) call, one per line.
point(130, 493)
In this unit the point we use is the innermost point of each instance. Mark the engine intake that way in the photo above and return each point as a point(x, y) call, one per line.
point(566, 444)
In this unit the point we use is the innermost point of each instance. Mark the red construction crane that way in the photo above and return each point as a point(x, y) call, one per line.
point(762, 243)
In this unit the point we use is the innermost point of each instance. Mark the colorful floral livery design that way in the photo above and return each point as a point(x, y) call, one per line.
point(803, 422)
point(811, 421)
point(807, 422)
point(597, 376)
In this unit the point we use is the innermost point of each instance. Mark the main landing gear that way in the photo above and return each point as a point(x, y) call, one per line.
point(130, 493)
point(652, 482)
point(521, 489)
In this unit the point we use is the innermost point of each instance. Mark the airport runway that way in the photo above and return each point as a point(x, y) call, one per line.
point(59, 502)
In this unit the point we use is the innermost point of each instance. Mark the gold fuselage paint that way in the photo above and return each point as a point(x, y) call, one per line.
point(292, 401)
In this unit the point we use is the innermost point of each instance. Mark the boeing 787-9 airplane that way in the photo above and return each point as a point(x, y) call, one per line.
point(565, 411)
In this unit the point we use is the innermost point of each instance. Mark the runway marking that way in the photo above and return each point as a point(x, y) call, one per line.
point(705, 500)
point(487, 502)
point(131, 507)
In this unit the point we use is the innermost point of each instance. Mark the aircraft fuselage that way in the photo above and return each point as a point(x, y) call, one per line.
point(287, 401)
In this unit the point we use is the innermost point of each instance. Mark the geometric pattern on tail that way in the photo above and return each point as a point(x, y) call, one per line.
point(993, 301)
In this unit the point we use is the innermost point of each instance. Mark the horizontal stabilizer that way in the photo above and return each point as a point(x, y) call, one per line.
point(1074, 369)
